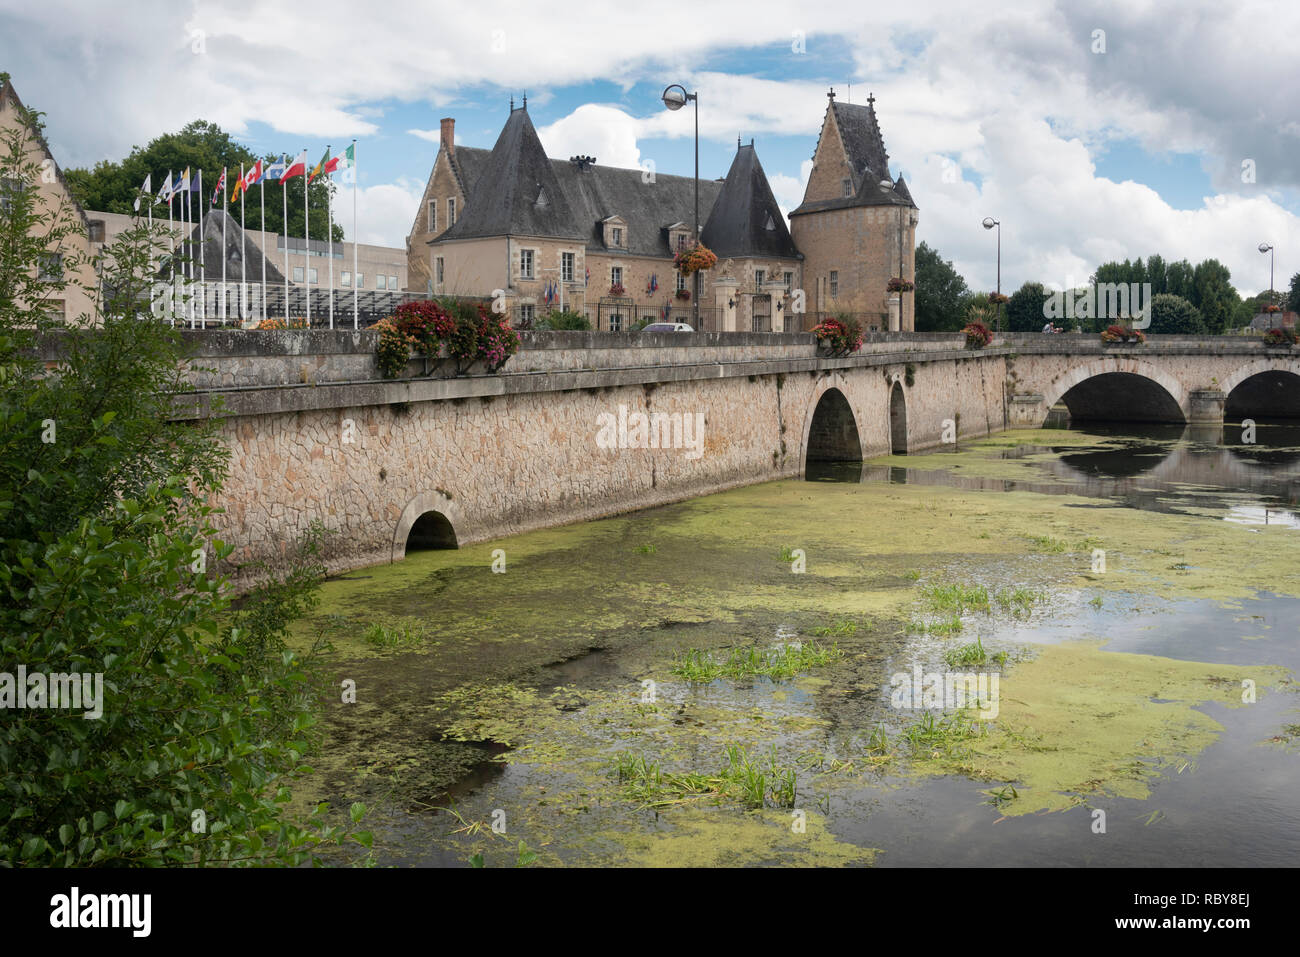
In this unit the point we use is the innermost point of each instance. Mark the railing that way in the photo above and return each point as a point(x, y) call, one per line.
point(217, 305)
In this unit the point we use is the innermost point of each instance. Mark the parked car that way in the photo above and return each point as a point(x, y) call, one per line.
point(668, 327)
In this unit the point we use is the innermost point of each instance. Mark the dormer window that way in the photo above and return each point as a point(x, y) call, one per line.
point(770, 224)
point(616, 236)
point(541, 196)
point(615, 228)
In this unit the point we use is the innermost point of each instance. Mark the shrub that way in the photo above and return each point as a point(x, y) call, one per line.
point(278, 323)
point(1174, 315)
point(563, 319)
point(842, 335)
point(977, 334)
point(1280, 337)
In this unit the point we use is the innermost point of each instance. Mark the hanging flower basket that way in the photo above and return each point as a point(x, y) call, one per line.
point(1116, 334)
point(1280, 337)
point(684, 294)
point(694, 259)
point(617, 290)
point(1270, 308)
point(977, 334)
point(998, 299)
point(896, 284)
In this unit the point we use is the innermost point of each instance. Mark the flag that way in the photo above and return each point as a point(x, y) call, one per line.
point(345, 162)
point(185, 181)
point(273, 172)
point(319, 168)
point(252, 176)
point(145, 189)
point(221, 185)
point(234, 192)
point(297, 168)
point(165, 190)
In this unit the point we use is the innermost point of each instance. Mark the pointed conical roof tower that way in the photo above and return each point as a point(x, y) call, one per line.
point(745, 220)
point(516, 192)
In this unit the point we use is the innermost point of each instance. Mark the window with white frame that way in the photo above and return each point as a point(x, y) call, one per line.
point(297, 274)
point(381, 282)
point(433, 216)
point(527, 312)
point(51, 267)
point(392, 282)
point(615, 322)
point(681, 281)
point(347, 278)
point(789, 281)
point(439, 268)
point(615, 276)
point(525, 264)
point(616, 236)
point(760, 275)
point(311, 276)
point(835, 283)
point(568, 262)
point(848, 187)
point(451, 212)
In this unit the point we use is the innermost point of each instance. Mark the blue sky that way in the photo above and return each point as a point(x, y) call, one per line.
point(1092, 130)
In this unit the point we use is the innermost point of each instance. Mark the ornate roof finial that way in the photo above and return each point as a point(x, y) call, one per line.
point(831, 94)
point(737, 141)
point(871, 100)
point(512, 102)
point(525, 99)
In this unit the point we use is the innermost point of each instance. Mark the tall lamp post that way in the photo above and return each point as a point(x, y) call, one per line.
point(889, 184)
point(989, 223)
point(675, 97)
point(1268, 248)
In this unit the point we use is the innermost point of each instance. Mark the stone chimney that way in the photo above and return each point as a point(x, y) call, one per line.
point(448, 137)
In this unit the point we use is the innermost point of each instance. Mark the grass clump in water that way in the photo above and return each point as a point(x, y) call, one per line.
point(753, 783)
point(1018, 601)
point(974, 654)
point(838, 629)
point(395, 633)
point(781, 662)
point(955, 598)
point(944, 735)
point(1047, 543)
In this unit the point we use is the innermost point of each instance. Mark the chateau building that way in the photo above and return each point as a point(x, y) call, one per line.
point(551, 233)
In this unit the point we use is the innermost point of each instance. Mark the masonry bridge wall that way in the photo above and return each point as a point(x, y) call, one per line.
point(315, 434)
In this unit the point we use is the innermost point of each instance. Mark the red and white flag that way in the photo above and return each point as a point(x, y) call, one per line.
point(297, 168)
point(253, 175)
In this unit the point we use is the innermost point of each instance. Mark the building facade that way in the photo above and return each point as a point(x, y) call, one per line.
point(546, 234)
point(71, 258)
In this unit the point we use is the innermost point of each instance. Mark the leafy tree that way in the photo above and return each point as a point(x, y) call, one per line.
point(104, 538)
point(1179, 279)
point(1174, 315)
point(941, 293)
point(1213, 295)
point(1293, 297)
point(112, 187)
point(1024, 310)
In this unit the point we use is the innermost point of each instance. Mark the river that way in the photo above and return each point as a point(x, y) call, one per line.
point(749, 677)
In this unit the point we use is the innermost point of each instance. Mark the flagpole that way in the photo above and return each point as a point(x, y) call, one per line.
point(284, 190)
point(171, 245)
point(225, 215)
point(189, 207)
point(329, 233)
point(243, 251)
point(356, 311)
point(262, 183)
point(203, 250)
point(306, 236)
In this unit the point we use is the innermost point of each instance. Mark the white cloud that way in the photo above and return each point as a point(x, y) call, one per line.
point(384, 212)
point(606, 132)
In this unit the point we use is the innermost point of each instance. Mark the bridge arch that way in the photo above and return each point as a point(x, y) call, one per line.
point(831, 431)
point(897, 419)
point(1122, 388)
point(434, 517)
point(1265, 388)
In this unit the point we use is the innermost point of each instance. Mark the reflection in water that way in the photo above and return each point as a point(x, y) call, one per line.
point(1153, 467)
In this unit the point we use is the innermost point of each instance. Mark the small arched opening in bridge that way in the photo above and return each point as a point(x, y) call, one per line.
point(431, 530)
point(897, 420)
point(1121, 397)
point(833, 436)
point(1273, 394)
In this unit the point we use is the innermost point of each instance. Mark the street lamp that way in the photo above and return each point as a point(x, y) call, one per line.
point(1268, 248)
point(675, 97)
point(888, 184)
point(989, 223)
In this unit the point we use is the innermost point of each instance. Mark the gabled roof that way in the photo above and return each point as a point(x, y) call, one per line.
point(502, 187)
point(243, 256)
point(864, 150)
point(745, 220)
point(7, 92)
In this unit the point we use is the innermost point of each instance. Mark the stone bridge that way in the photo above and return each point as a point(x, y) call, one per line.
point(584, 425)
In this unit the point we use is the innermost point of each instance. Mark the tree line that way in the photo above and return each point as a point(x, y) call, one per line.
point(112, 187)
point(1186, 299)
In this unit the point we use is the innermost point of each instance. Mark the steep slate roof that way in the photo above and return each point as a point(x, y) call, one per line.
point(505, 198)
point(502, 187)
point(237, 258)
point(864, 149)
point(738, 225)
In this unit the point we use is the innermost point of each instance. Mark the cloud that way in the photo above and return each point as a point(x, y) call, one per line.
point(606, 132)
